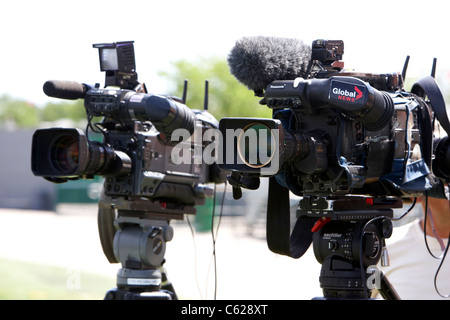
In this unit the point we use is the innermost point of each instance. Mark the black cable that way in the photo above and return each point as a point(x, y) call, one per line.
point(214, 236)
point(425, 227)
point(95, 127)
point(195, 255)
point(407, 211)
point(442, 258)
point(363, 276)
point(429, 250)
point(361, 264)
point(439, 269)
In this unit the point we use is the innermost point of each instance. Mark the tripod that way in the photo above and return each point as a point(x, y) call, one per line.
point(134, 233)
point(348, 251)
point(348, 235)
point(349, 243)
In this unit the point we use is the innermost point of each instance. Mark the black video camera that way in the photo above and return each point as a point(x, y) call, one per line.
point(135, 156)
point(337, 133)
point(151, 175)
point(351, 144)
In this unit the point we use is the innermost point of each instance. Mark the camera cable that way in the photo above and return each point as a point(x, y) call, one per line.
point(361, 263)
point(439, 269)
point(363, 275)
point(95, 127)
point(407, 211)
point(214, 234)
point(195, 256)
point(444, 248)
point(428, 213)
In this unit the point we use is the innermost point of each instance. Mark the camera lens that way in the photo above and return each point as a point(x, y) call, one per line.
point(256, 145)
point(68, 153)
point(65, 154)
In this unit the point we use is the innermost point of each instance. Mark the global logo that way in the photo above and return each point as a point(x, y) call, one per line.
point(347, 95)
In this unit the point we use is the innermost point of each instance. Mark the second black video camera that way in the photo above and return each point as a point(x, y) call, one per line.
point(334, 132)
point(135, 154)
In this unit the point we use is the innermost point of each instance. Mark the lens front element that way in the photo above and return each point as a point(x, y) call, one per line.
point(65, 154)
point(256, 145)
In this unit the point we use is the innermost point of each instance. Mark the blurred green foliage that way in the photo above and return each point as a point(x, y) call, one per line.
point(54, 111)
point(19, 113)
point(227, 97)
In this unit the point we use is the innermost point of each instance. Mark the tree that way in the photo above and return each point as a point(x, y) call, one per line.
point(18, 113)
point(227, 97)
point(54, 111)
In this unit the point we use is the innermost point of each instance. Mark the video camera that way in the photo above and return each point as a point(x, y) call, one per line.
point(144, 188)
point(351, 144)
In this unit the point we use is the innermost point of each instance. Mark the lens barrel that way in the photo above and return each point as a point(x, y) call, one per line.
point(68, 153)
point(258, 145)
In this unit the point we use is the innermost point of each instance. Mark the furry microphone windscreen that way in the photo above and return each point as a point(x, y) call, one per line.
point(257, 61)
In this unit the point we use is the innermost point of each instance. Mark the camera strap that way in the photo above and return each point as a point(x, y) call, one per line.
point(280, 240)
point(428, 86)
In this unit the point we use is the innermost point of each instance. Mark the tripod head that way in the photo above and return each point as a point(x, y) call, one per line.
point(135, 233)
point(349, 240)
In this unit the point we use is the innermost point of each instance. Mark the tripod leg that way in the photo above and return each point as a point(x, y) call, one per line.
point(387, 291)
point(166, 284)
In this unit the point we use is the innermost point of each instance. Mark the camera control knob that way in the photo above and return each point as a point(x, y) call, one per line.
point(168, 233)
point(333, 245)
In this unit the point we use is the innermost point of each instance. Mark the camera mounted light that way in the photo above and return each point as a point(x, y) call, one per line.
point(118, 61)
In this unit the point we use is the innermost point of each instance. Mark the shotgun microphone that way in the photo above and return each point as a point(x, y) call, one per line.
point(257, 61)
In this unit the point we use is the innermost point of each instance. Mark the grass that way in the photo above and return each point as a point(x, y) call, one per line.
point(27, 281)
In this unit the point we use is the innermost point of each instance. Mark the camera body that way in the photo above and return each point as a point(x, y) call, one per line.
point(324, 151)
point(134, 162)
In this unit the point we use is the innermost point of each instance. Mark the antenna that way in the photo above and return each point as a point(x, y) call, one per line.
point(205, 105)
point(433, 68)
point(185, 86)
point(405, 68)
